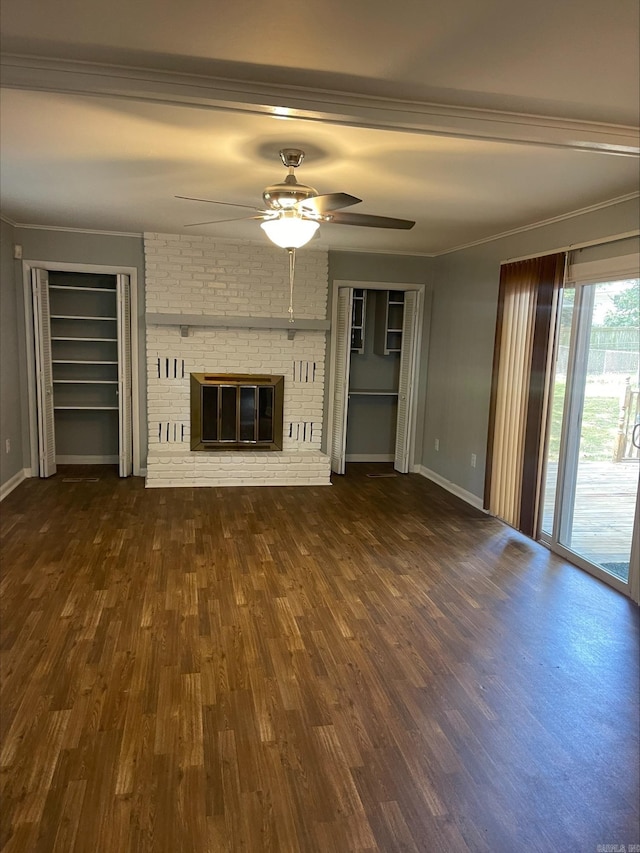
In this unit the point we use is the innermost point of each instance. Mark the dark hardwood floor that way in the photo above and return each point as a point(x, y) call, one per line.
point(374, 666)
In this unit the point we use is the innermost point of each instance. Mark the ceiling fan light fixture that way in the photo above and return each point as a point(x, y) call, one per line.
point(289, 230)
point(293, 211)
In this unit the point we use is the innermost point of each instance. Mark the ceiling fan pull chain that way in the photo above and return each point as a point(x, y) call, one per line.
point(292, 266)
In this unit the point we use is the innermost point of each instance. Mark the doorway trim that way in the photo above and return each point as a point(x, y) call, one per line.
point(331, 385)
point(101, 269)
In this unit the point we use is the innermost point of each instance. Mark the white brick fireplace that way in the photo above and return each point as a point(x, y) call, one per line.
point(221, 307)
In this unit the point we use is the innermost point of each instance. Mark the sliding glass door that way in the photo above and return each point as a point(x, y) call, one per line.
point(593, 453)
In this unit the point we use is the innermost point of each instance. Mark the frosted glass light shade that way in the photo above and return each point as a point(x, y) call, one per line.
point(289, 232)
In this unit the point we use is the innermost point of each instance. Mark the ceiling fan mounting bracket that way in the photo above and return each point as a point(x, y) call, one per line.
point(291, 157)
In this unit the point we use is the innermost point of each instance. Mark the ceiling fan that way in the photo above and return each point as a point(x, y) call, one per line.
point(293, 211)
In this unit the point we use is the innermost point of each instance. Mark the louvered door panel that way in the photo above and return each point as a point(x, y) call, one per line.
point(405, 390)
point(44, 373)
point(125, 438)
point(341, 380)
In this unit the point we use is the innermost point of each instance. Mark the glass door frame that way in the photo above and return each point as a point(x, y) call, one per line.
point(568, 457)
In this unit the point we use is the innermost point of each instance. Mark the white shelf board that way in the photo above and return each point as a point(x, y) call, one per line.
point(91, 340)
point(372, 392)
point(80, 317)
point(89, 289)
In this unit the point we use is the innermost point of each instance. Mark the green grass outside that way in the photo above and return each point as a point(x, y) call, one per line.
point(599, 426)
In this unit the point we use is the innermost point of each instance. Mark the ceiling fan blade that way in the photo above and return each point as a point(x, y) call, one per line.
point(328, 202)
point(213, 201)
point(368, 221)
point(215, 221)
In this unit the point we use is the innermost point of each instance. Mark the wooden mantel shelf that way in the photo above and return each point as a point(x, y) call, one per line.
point(225, 322)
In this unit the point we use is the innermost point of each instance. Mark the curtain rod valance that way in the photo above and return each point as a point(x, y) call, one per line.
point(606, 269)
point(573, 247)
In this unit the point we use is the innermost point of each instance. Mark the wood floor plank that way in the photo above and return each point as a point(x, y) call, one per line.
point(374, 667)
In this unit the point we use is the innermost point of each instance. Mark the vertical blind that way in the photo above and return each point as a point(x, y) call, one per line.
point(527, 304)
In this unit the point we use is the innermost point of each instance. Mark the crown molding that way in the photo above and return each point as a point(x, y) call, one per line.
point(490, 239)
point(86, 78)
point(541, 223)
point(137, 234)
point(397, 253)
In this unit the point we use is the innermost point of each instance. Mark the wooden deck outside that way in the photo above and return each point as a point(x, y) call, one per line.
point(604, 510)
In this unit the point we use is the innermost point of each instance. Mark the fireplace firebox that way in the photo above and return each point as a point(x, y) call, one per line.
point(231, 411)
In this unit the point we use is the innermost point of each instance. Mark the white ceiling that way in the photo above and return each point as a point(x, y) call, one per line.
point(471, 118)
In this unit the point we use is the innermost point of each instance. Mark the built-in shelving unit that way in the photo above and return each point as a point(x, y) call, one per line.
point(84, 343)
point(83, 367)
point(389, 319)
point(373, 379)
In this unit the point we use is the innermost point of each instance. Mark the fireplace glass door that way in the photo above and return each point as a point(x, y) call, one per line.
point(236, 412)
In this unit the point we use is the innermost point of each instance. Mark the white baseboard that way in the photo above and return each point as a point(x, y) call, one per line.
point(369, 457)
point(459, 492)
point(87, 460)
point(11, 484)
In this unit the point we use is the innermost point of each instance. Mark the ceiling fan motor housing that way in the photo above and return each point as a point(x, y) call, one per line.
point(286, 194)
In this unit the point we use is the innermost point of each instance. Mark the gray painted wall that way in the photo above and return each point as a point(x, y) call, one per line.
point(465, 291)
point(10, 397)
point(457, 344)
point(371, 426)
point(106, 249)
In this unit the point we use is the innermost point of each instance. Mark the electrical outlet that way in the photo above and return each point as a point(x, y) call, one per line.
point(7, 446)
point(436, 444)
point(473, 460)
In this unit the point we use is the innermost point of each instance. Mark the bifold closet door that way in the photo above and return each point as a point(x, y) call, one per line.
point(44, 373)
point(125, 432)
point(405, 382)
point(45, 408)
point(341, 383)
